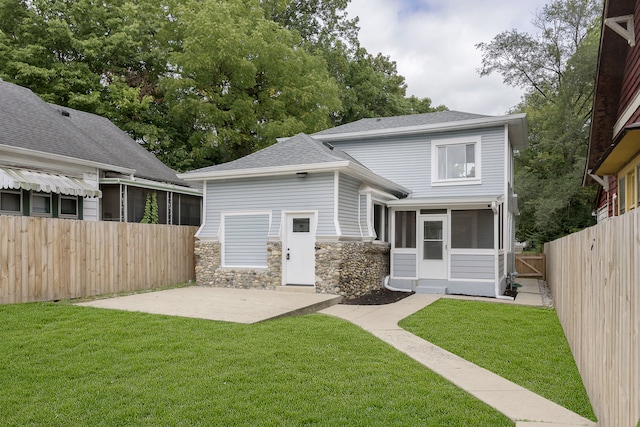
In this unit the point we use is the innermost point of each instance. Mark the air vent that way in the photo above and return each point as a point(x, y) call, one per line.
point(329, 146)
point(64, 113)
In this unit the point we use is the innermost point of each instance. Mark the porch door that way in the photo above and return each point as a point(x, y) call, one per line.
point(299, 253)
point(433, 246)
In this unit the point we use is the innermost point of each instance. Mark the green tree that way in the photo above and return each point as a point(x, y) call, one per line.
point(557, 68)
point(102, 57)
point(241, 81)
point(369, 85)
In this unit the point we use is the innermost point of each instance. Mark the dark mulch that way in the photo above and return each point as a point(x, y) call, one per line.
point(377, 297)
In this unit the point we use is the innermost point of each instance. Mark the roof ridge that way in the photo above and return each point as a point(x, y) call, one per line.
point(316, 145)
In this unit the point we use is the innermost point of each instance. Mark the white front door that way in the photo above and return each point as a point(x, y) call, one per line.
point(433, 246)
point(299, 254)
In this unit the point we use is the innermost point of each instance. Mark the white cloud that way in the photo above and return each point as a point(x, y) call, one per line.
point(433, 43)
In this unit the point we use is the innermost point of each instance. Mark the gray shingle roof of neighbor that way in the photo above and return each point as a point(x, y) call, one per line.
point(300, 149)
point(117, 146)
point(373, 124)
point(26, 121)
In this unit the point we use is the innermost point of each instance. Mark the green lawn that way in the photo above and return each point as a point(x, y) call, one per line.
point(523, 344)
point(66, 365)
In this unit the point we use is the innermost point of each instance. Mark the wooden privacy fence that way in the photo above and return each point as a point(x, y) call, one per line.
point(594, 276)
point(531, 265)
point(46, 259)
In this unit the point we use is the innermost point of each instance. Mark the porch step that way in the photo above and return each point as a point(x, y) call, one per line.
point(432, 286)
point(431, 289)
point(297, 288)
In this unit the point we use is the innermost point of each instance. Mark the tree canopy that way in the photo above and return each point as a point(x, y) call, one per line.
point(199, 82)
point(557, 69)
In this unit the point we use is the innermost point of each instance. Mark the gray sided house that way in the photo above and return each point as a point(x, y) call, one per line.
point(59, 162)
point(422, 202)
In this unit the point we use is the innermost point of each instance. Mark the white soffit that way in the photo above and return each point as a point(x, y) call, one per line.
point(22, 179)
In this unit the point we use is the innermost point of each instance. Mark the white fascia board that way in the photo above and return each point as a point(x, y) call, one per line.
point(260, 172)
point(445, 202)
point(153, 185)
point(71, 160)
point(376, 193)
point(518, 120)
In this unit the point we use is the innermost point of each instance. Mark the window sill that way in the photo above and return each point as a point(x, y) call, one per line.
point(452, 182)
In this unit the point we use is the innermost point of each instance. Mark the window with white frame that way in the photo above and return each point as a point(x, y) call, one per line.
point(455, 161)
point(11, 202)
point(380, 222)
point(41, 204)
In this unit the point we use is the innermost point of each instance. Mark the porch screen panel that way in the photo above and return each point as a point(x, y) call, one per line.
point(245, 240)
point(405, 229)
point(472, 229)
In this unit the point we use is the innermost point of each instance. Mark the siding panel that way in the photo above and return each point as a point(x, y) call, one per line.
point(245, 240)
point(315, 192)
point(407, 161)
point(480, 267)
point(348, 206)
point(404, 265)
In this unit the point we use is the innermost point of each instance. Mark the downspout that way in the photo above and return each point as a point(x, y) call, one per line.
point(385, 283)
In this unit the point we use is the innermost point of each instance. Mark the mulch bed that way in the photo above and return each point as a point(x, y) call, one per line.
point(378, 297)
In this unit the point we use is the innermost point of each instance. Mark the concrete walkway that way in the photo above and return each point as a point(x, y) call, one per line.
point(524, 407)
point(224, 304)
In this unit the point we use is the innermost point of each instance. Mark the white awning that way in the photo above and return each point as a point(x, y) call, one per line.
point(16, 179)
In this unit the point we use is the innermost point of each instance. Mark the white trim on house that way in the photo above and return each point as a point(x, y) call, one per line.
point(376, 193)
point(203, 214)
point(633, 106)
point(517, 123)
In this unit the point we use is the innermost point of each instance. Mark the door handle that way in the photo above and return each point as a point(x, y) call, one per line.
point(287, 256)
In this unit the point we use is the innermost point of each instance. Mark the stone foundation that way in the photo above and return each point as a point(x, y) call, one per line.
point(210, 273)
point(349, 269)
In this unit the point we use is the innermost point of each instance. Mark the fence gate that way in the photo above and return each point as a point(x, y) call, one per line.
point(531, 265)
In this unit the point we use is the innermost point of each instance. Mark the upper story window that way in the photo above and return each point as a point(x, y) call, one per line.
point(455, 161)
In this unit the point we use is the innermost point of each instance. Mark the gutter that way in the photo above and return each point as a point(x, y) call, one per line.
point(72, 160)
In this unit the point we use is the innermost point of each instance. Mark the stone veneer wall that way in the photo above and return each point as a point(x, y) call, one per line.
point(351, 269)
point(210, 273)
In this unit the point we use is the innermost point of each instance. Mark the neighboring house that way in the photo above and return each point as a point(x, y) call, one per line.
point(614, 143)
point(422, 202)
point(63, 163)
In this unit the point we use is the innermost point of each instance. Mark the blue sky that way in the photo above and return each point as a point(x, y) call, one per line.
point(433, 43)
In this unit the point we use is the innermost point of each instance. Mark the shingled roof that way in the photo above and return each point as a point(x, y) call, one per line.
point(28, 122)
point(364, 125)
point(300, 149)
